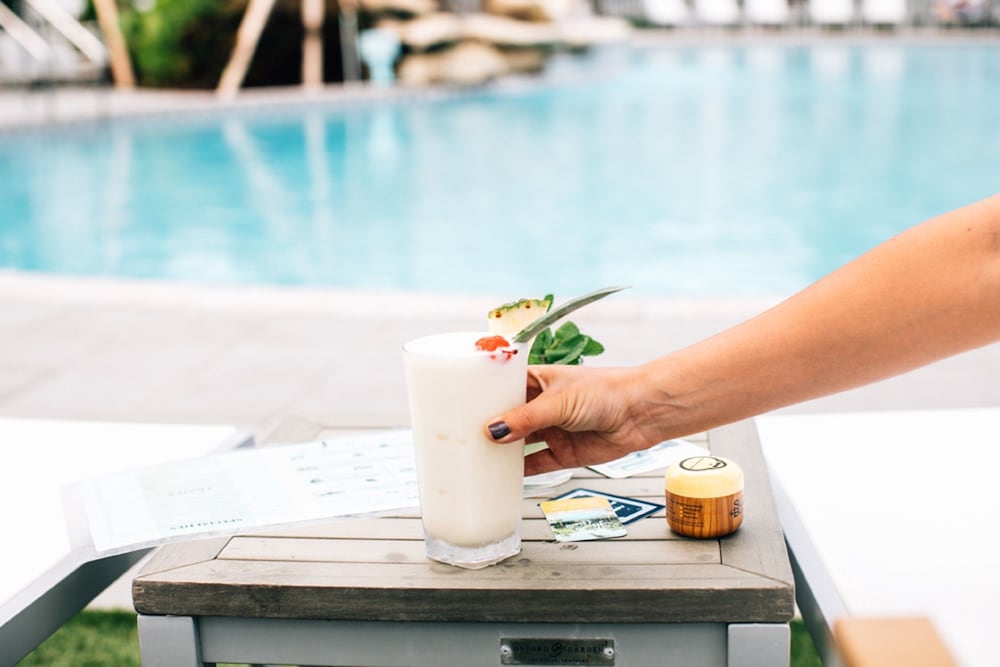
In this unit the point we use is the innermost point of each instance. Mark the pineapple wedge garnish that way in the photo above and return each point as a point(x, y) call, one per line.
point(510, 318)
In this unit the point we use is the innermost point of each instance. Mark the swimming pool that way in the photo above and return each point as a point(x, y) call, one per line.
point(750, 169)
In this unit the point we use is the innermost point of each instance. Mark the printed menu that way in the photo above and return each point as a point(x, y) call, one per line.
point(243, 489)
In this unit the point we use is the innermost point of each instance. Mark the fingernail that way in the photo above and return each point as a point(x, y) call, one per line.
point(499, 430)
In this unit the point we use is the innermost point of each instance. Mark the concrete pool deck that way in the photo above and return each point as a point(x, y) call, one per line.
point(77, 348)
point(90, 349)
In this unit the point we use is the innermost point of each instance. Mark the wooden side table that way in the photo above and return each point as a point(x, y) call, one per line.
point(360, 592)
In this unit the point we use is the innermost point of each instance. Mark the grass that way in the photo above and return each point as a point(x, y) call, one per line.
point(803, 651)
point(108, 639)
point(90, 639)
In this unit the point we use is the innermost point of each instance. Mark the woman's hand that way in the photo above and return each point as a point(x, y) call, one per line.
point(585, 416)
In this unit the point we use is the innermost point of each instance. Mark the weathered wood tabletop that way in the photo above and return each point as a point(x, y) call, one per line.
point(374, 569)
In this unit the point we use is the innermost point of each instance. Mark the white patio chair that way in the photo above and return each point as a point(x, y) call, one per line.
point(666, 12)
point(831, 12)
point(47, 579)
point(717, 12)
point(883, 12)
point(767, 12)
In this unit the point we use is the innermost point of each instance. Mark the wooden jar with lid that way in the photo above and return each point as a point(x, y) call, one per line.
point(704, 496)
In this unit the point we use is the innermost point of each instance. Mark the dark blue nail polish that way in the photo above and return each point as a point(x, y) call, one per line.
point(499, 430)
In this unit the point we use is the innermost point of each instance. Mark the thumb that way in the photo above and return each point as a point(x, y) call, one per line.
point(523, 420)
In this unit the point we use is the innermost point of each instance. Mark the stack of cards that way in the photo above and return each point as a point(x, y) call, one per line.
point(583, 514)
point(584, 518)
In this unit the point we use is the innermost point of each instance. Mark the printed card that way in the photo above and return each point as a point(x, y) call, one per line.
point(657, 456)
point(627, 509)
point(579, 519)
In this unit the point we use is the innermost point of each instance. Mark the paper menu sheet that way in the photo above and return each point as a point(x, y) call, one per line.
point(241, 490)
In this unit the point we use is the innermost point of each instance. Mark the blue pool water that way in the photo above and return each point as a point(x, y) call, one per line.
point(703, 171)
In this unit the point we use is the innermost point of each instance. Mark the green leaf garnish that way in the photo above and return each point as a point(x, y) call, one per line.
point(566, 346)
point(593, 348)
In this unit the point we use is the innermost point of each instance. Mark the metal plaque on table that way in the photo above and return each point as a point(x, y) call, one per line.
point(556, 651)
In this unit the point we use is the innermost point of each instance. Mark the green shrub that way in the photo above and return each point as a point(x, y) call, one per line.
point(187, 43)
point(181, 43)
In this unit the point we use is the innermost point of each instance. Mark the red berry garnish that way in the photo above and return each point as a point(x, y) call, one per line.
point(491, 343)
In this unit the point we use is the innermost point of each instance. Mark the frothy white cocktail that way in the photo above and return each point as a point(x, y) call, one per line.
point(470, 487)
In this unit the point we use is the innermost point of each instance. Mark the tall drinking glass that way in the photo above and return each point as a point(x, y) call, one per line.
point(470, 487)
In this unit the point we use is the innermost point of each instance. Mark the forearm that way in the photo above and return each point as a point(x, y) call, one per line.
point(929, 293)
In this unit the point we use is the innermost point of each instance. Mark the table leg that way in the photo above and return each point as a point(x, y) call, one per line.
point(759, 645)
point(170, 641)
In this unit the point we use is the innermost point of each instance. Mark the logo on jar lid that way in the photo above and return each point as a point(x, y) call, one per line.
point(702, 463)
